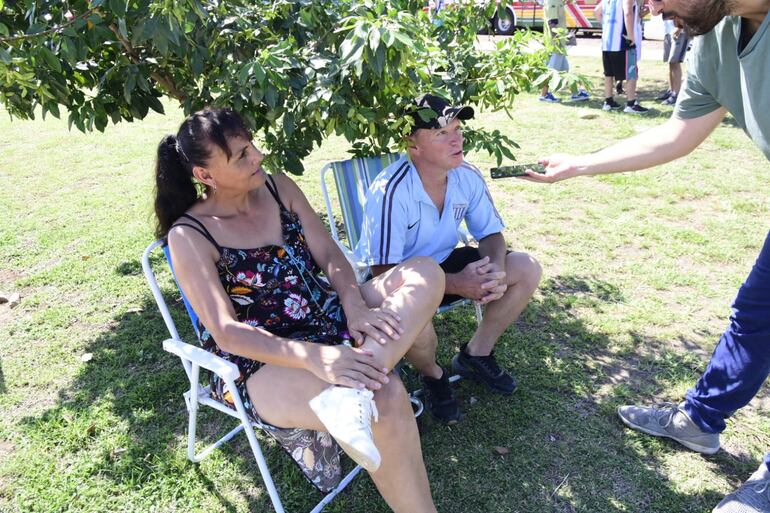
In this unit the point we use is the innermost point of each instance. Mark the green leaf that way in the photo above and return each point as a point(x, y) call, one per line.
point(271, 96)
point(243, 76)
point(50, 59)
point(128, 87)
point(118, 7)
point(122, 27)
point(5, 56)
point(351, 49)
point(4, 28)
point(288, 124)
point(155, 104)
point(196, 62)
point(374, 39)
point(259, 73)
point(408, 41)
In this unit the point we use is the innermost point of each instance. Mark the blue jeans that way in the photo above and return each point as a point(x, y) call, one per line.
point(741, 360)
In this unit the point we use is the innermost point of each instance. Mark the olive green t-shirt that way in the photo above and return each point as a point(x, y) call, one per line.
point(720, 74)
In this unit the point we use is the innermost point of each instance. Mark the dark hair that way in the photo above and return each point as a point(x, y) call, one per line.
point(175, 190)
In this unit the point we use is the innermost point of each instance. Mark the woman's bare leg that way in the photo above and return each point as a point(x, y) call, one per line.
point(401, 479)
point(413, 290)
point(280, 396)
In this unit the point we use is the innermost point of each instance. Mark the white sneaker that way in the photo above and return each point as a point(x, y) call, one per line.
point(347, 415)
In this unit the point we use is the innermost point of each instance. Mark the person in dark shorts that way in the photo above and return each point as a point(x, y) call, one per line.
point(619, 52)
point(414, 207)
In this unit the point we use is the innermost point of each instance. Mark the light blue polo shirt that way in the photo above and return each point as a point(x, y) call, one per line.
point(401, 221)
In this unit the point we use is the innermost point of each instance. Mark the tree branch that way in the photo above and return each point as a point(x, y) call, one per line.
point(163, 80)
point(49, 31)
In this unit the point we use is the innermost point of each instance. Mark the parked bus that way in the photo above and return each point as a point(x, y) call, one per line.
point(529, 14)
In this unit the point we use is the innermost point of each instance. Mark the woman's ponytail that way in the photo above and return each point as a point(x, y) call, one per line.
point(175, 191)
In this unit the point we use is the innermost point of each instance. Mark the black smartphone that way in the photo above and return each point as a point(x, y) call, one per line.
point(514, 171)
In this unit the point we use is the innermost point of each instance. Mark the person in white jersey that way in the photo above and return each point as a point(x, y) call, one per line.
point(619, 51)
point(415, 207)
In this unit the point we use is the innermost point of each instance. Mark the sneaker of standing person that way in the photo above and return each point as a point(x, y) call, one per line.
point(483, 369)
point(347, 415)
point(663, 97)
point(753, 496)
point(619, 87)
point(670, 421)
point(439, 399)
point(581, 96)
point(634, 107)
point(671, 100)
point(549, 97)
point(611, 104)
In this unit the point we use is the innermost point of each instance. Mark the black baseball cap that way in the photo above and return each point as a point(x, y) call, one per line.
point(431, 111)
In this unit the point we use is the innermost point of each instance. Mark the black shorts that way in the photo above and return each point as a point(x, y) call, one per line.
point(456, 262)
point(621, 64)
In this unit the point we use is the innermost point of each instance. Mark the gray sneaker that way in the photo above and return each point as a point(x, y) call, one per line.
point(753, 496)
point(669, 420)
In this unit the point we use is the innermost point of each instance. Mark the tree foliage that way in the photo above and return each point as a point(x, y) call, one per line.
point(297, 69)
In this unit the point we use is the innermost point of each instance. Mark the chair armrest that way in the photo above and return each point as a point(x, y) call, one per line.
point(359, 268)
point(201, 357)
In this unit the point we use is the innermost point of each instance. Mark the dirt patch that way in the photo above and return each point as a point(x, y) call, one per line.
point(8, 277)
point(6, 449)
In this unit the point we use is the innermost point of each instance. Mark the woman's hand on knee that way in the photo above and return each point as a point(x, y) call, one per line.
point(346, 366)
point(381, 324)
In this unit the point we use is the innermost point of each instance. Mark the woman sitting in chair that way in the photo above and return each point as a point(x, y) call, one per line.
point(276, 296)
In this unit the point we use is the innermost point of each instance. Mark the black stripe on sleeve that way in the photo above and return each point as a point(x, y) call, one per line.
point(387, 210)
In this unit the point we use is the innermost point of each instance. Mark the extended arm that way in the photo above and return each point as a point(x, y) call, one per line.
point(673, 139)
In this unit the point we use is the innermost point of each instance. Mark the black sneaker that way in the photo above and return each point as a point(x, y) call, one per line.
point(485, 370)
point(439, 399)
point(635, 108)
point(611, 104)
point(619, 87)
point(663, 96)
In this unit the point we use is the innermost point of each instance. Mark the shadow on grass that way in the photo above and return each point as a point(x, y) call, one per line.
point(555, 445)
point(3, 388)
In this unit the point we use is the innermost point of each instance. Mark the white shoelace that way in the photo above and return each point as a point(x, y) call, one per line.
point(367, 401)
point(673, 408)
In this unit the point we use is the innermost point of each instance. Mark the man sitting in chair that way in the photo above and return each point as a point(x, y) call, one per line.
point(414, 208)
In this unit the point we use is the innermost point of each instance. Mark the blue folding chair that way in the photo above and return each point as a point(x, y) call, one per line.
point(193, 359)
point(352, 179)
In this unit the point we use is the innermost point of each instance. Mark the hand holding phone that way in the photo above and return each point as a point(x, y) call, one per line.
point(516, 171)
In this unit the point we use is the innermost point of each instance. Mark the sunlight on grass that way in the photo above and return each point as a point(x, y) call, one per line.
point(639, 271)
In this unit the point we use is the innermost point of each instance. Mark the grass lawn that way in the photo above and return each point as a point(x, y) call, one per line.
point(639, 272)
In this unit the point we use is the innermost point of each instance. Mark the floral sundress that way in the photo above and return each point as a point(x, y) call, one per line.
point(280, 289)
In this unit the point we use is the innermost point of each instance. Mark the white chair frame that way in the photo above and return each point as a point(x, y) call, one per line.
point(193, 359)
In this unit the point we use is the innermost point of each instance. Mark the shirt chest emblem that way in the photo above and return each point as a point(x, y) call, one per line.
point(458, 210)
